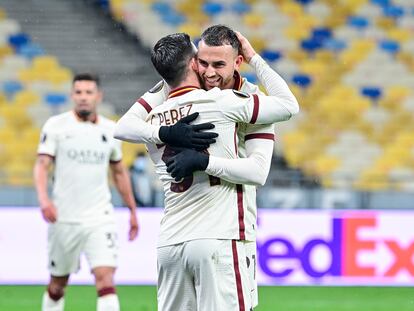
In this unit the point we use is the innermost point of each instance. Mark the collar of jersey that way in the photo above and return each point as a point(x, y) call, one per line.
point(237, 81)
point(182, 90)
point(80, 120)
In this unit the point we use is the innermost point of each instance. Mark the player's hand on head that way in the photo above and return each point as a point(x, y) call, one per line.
point(186, 162)
point(246, 48)
point(133, 227)
point(183, 134)
point(49, 211)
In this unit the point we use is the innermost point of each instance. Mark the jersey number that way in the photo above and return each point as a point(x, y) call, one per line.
point(186, 183)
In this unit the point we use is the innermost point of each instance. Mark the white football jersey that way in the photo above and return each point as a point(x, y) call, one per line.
point(201, 206)
point(82, 152)
point(159, 94)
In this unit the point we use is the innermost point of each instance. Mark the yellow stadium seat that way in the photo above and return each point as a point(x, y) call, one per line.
point(399, 34)
point(26, 98)
point(325, 164)
point(19, 173)
point(45, 62)
point(130, 152)
point(372, 180)
point(296, 33)
point(15, 116)
point(258, 42)
point(31, 135)
point(5, 50)
point(28, 75)
point(292, 9)
point(253, 20)
point(59, 76)
point(385, 23)
point(191, 29)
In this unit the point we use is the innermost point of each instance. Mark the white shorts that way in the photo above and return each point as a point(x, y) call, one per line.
point(203, 275)
point(66, 242)
point(251, 260)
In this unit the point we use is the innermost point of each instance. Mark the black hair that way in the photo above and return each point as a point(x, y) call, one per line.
point(87, 77)
point(218, 35)
point(171, 55)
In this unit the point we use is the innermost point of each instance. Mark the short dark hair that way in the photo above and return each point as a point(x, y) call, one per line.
point(218, 35)
point(171, 55)
point(87, 77)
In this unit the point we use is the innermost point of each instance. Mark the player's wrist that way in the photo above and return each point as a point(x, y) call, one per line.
point(164, 133)
point(203, 161)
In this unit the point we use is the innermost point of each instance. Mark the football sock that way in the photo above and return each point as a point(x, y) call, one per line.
point(51, 304)
point(107, 300)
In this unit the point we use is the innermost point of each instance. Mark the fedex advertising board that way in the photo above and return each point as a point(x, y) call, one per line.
point(293, 248)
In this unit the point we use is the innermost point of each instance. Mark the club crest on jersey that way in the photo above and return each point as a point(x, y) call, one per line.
point(241, 94)
point(157, 87)
point(43, 138)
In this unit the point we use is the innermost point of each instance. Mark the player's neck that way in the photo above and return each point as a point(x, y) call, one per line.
point(91, 117)
point(190, 80)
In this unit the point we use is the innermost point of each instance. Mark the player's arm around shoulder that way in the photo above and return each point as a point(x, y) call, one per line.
point(132, 126)
point(123, 184)
point(274, 84)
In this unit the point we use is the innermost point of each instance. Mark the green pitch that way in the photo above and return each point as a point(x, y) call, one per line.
point(143, 298)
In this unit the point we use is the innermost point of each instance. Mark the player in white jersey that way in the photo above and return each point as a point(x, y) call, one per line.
point(81, 146)
point(203, 213)
point(219, 61)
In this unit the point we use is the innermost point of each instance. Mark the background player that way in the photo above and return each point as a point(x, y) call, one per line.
point(220, 55)
point(81, 146)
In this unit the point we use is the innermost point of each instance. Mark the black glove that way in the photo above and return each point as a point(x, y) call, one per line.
point(182, 134)
point(186, 162)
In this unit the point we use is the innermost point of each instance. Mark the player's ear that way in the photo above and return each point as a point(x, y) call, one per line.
point(194, 65)
point(238, 61)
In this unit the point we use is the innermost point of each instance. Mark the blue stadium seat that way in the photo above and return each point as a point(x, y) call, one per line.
point(18, 40)
point(11, 87)
point(31, 50)
point(304, 2)
point(311, 45)
point(302, 80)
point(390, 46)
point(321, 34)
point(173, 18)
point(241, 7)
point(393, 11)
point(55, 99)
point(212, 8)
point(358, 22)
point(270, 55)
point(161, 7)
point(334, 45)
point(373, 93)
point(250, 76)
point(382, 3)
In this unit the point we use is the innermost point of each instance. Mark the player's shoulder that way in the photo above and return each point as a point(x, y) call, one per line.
point(249, 87)
point(106, 122)
point(59, 119)
point(158, 91)
point(216, 93)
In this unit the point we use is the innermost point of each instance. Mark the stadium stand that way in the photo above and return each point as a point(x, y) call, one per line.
point(349, 62)
point(34, 85)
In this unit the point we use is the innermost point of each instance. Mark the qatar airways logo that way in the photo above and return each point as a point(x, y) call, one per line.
point(357, 247)
point(87, 156)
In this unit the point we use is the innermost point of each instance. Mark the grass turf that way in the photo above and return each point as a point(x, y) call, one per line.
point(143, 298)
